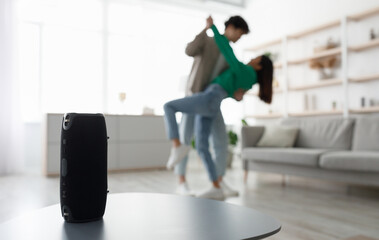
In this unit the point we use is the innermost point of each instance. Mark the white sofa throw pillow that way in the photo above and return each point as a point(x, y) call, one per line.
point(278, 136)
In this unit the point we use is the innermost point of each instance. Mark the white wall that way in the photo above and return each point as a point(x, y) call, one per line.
point(270, 19)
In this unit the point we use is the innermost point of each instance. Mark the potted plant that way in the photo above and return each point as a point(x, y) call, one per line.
point(233, 139)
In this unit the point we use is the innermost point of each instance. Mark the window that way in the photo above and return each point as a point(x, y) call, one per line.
point(29, 71)
point(117, 57)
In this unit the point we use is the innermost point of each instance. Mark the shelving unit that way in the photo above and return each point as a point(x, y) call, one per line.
point(365, 110)
point(322, 83)
point(278, 65)
point(362, 15)
point(364, 46)
point(314, 29)
point(326, 53)
point(342, 82)
point(266, 116)
point(366, 78)
point(315, 113)
point(276, 90)
point(264, 45)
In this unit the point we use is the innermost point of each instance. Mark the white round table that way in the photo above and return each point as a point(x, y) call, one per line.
point(147, 216)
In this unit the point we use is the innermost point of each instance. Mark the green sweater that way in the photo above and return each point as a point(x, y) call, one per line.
point(238, 75)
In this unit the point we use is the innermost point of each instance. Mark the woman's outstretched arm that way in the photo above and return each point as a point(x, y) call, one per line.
point(223, 44)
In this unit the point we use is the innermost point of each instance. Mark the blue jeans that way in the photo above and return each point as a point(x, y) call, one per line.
point(218, 140)
point(205, 106)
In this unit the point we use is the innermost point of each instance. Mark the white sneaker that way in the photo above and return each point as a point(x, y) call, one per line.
point(177, 154)
point(213, 193)
point(228, 191)
point(183, 189)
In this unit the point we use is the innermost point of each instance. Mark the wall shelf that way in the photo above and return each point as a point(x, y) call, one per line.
point(315, 113)
point(278, 65)
point(366, 78)
point(365, 110)
point(326, 53)
point(370, 44)
point(278, 90)
point(296, 35)
point(265, 116)
point(320, 84)
point(366, 14)
point(264, 45)
point(315, 29)
point(275, 90)
point(251, 93)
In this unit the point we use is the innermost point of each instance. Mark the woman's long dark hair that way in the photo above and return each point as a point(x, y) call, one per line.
point(265, 76)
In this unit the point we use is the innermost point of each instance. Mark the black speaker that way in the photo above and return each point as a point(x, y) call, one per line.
point(83, 181)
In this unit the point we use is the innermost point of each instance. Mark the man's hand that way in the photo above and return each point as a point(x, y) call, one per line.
point(209, 22)
point(238, 95)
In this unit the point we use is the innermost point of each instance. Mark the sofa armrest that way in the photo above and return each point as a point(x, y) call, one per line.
point(251, 135)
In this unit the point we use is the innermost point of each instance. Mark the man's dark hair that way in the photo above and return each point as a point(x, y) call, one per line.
point(238, 22)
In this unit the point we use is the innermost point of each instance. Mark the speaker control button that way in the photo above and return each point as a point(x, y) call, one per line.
point(64, 167)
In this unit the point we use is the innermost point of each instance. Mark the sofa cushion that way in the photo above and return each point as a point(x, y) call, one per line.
point(250, 135)
point(322, 132)
point(351, 160)
point(366, 134)
point(278, 136)
point(297, 156)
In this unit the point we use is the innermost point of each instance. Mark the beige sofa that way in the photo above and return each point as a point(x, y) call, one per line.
point(343, 150)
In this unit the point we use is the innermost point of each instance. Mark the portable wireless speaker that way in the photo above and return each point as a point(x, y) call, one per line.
point(83, 181)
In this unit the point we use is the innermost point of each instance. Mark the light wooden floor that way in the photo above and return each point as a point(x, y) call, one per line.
point(307, 209)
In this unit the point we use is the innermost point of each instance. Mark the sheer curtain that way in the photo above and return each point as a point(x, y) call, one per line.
point(11, 128)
